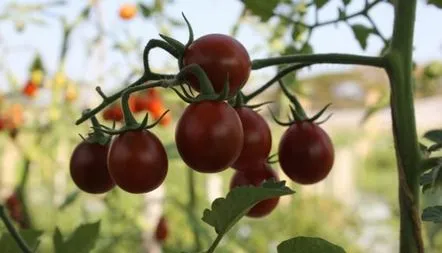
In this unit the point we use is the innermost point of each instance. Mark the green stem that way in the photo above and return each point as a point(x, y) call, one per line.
point(154, 43)
point(320, 58)
point(108, 101)
point(408, 157)
point(215, 243)
point(18, 239)
point(192, 208)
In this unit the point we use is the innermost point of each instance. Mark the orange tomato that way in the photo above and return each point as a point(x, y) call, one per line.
point(128, 11)
point(113, 113)
point(30, 89)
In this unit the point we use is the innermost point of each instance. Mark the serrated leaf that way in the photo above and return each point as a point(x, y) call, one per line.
point(145, 10)
point(263, 9)
point(227, 211)
point(434, 136)
point(82, 240)
point(361, 33)
point(432, 213)
point(31, 237)
point(308, 245)
point(437, 3)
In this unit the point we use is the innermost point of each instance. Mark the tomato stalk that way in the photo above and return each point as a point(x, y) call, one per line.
point(11, 229)
point(399, 69)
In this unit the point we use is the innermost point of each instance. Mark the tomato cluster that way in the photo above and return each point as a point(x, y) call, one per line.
point(211, 135)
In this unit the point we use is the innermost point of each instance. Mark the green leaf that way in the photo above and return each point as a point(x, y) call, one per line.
point(263, 9)
point(308, 245)
point(69, 199)
point(431, 179)
point(320, 3)
point(306, 49)
point(227, 211)
point(346, 2)
point(432, 213)
point(82, 240)
point(434, 136)
point(31, 237)
point(341, 14)
point(145, 10)
point(361, 33)
point(437, 3)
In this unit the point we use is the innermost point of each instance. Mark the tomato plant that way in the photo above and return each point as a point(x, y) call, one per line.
point(137, 161)
point(221, 57)
point(209, 136)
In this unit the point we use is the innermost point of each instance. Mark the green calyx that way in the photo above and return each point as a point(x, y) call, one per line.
point(297, 112)
point(206, 89)
point(240, 101)
point(96, 136)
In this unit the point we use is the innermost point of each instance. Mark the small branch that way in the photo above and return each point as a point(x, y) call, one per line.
point(376, 29)
point(154, 43)
point(278, 76)
point(320, 58)
point(215, 243)
point(17, 237)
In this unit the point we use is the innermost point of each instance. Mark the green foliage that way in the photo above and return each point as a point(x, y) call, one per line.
point(434, 136)
point(263, 9)
point(437, 3)
point(31, 237)
point(346, 2)
point(308, 245)
point(145, 10)
point(432, 179)
point(361, 33)
point(82, 240)
point(227, 211)
point(320, 3)
point(433, 214)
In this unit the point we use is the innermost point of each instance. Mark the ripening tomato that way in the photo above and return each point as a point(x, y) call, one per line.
point(220, 56)
point(88, 168)
point(256, 177)
point(30, 89)
point(128, 11)
point(306, 153)
point(162, 230)
point(257, 138)
point(113, 113)
point(209, 136)
point(137, 161)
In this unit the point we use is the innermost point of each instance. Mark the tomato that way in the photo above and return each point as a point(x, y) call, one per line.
point(88, 168)
point(256, 177)
point(257, 138)
point(219, 56)
point(30, 89)
point(156, 108)
point(137, 161)
point(306, 153)
point(127, 11)
point(162, 230)
point(209, 136)
point(113, 113)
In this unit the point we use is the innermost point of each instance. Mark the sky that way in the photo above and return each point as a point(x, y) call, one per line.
point(206, 16)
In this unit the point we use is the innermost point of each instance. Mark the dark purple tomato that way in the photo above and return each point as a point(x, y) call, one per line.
point(88, 168)
point(209, 136)
point(137, 161)
point(306, 153)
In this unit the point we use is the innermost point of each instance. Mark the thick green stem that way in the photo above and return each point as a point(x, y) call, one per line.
point(408, 157)
point(320, 58)
point(192, 204)
point(20, 241)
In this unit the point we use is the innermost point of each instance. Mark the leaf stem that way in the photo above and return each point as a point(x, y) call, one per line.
point(215, 243)
point(17, 237)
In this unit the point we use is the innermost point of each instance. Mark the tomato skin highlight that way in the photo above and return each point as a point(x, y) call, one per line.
point(256, 177)
point(306, 153)
point(219, 56)
point(209, 136)
point(137, 161)
point(88, 168)
point(257, 138)
point(162, 230)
